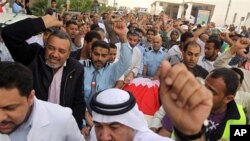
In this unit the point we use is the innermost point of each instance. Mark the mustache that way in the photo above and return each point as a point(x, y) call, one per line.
point(98, 62)
point(5, 122)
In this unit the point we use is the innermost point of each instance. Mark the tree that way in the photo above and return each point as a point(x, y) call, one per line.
point(39, 6)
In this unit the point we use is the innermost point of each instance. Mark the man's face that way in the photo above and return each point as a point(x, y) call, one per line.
point(191, 56)
point(157, 28)
point(72, 30)
point(67, 18)
point(210, 51)
point(14, 109)
point(133, 40)
point(85, 28)
point(112, 54)
point(89, 44)
point(53, 5)
point(150, 36)
point(95, 18)
point(113, 131)
point(217, 87)
point(174, 37)
point(99, 57)
point(57, 51)
point(157, 42)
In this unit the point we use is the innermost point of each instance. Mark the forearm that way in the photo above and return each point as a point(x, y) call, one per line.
point(77, 41)
point(123, 38)
point(15, 36)
point(198, 32)
point(121, 66)
point(223, 59)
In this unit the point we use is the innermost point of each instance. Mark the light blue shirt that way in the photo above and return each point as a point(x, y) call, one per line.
point(4, 53)
point(21, 133)
point(16, 8)
point(107, 75)
point(152, 60)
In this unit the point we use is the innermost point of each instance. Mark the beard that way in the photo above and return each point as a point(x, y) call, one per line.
point(98, 64)
point(54, 64)
point(12, 127)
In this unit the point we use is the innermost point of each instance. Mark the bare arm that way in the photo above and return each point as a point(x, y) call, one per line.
point(186, 101)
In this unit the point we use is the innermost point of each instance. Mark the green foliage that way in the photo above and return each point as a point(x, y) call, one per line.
point(81, 5)
point(39, 6)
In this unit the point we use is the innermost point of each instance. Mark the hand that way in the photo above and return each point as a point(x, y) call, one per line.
point(211, 25)
point(129, 78)
point(224, 36)
point(85, 131)
point(184, 99)
point(88, 118)
point(51, 21)
point(120, 29)
point(239, 47)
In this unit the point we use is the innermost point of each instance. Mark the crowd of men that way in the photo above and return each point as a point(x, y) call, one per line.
point(83, 61)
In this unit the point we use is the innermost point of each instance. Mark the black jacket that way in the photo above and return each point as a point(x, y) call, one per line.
point(32, 55)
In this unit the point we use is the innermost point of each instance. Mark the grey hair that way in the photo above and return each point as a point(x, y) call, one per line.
point(62, 35)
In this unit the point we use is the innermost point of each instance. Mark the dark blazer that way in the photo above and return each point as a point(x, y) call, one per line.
point(32, 55)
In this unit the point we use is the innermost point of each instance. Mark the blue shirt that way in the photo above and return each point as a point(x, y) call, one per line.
point(21, 133)
point(152, 60)
point(107, 75)
point(16, 8)
point(4, 53)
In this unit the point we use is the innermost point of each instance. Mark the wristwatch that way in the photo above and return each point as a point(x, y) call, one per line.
point(183, 137)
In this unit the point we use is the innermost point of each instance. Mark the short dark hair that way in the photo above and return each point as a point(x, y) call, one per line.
point(91, 35)
point(230, 79)
point(71, 22)
point(216, 42)
point(111, 45)
point(151, 30)
point(101, 44)
point(239, 72)
point(174, 32)
point(185, 36)
point(99, 29)
point(193, 43)
point(94, 26)
point(139, 30)
point(15, 75)
point(132, 33)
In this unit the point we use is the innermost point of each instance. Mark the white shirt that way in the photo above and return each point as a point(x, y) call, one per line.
point(174, 55)
point(206, 64)
point(136, 59)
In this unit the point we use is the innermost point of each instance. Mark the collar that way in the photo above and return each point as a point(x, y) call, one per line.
point(1, 47)
point(232, 111)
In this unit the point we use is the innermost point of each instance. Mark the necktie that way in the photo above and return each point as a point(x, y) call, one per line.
point(93, 87)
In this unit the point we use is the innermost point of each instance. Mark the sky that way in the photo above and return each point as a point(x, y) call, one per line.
point(241, 7)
